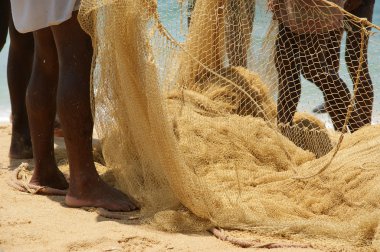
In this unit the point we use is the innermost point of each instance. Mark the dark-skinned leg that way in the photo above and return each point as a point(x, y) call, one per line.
point(41, 105)
point(337, 98)
point(4, 18)
point(320, 65)
point(287, 65)
point(332, 58)
point(365, 94)
point(75, 56)
point(335, 93)
point(339, 92)
point(20, 61)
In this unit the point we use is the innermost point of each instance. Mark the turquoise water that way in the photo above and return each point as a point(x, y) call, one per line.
point(169, 12)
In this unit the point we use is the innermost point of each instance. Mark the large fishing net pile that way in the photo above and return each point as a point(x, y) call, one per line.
point(195, 103)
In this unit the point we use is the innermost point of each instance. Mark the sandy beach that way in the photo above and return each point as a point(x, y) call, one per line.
point(43, 223)
point(189, 133)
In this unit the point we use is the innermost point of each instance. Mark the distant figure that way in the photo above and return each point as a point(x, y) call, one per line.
point(238, 34)
point(308, 43)
point(362, 9)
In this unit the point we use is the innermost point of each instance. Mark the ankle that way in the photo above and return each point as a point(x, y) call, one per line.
point(45, 168)
point(21, 146)
point(81, 183)
point(20, 125)
point(53, 178)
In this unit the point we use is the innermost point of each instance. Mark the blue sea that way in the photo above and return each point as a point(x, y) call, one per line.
point(169, 12)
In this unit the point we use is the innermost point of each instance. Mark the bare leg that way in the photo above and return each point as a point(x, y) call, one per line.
point(41, 100)
point(288, 68)
point(337, 98)
point(320, 64)
point(75, 56)
point(365, 93)
point(332, 58)
point(239, 23)
point(4, 17)
point(20, 61)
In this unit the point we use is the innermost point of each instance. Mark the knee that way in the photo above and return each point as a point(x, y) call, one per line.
point(46, 59)
point(283, 65)
point(326, 76)
point(20, 41)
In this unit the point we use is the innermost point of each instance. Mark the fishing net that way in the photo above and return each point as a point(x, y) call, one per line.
point(204, 121)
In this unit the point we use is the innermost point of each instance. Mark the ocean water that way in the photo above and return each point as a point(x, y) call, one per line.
point(169, 12)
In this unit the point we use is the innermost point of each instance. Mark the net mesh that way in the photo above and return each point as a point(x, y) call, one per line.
point(198, 106)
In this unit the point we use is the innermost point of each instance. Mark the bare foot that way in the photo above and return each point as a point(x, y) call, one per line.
point(99, 194)
point(53, 178)
point(21, 147)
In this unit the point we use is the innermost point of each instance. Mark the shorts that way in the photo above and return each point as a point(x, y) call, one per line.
point(33, 15)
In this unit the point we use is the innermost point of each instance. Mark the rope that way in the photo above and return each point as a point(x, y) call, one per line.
point(20, 181)
point(221, 235)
